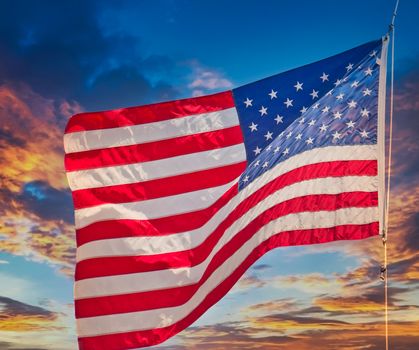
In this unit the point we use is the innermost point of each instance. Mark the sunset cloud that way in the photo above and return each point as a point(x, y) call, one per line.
point(68, 57)
point(20, 317)
point(35, 205)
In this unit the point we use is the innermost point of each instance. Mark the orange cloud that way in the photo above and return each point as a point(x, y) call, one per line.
point(31, 146)
point(269, 306)
point(20, 317)
point(31, 152)
point(302, 333)
point(349, 304)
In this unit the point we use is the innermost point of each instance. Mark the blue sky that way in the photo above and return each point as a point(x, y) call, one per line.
point(60, 58)
point(247, 41)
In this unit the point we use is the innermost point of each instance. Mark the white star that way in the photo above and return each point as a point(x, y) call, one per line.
point(276, 150)
point(288, 102)
point(329, 93)
point(301, 121)
point(350, 124)
point(337, 115)
point(267, 149)
point(256, 163)
point(245, 179)
point(352, 104)
point(355, 84)
point(323, 127)
point(298, 86)
point(349, 67)
point(289, 135)
point(315, 106)
point(337, 82)
point(303, 110)
point(324, 77)
point(268, 135)
point(273, 94)
point(257, 150)
point(366, 92)
point(309, 141)
point(263, 111)
point(248, 102)
point(336, 136)
point(253, 127)
point(368, 71)
point(373, 53)
point(312, 122)
point(298, 137)
point(326, 109)
point(279, 119)
point(340, 96)
point(287, 150)
point(265, 165)
point(365, 112)
point(314, 94)
point(364, 134)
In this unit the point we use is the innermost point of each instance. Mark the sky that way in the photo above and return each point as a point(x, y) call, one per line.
point(58, 58)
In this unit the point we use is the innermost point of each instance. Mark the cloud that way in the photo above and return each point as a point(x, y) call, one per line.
point(47, 202)
point(20, 317)
point(32, 120)
point(368, 301)
point(249, 281)
point(35, 204)
point(285, 331)
point(261, 267)
point(35, 327)
point(220, 336)
point(285, 304)
point(407, 90)
point(63, 50)
point(205, 80)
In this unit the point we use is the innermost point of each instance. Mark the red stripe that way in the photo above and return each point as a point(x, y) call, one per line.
point(131, 340)
point(177, 296)
point(190, 221)
point(155, 227)
point(112, 266)
point(150, 113)
point(168, 186)
point(146, 152)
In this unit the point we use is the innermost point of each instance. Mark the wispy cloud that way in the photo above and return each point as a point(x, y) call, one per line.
point(205, 80)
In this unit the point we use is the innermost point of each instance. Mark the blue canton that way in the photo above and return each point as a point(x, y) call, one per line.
point(329, 102)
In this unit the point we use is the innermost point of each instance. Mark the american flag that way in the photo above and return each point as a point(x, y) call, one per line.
point(174, 201)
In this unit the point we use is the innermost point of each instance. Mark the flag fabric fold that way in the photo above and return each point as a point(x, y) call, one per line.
point(174, 201)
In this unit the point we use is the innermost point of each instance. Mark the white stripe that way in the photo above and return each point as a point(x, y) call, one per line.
point(151, 319)
point(152, 208)
point(162, 279)
point(150, 245)
point(156, 169)
point(180, 242)
point(137, 134)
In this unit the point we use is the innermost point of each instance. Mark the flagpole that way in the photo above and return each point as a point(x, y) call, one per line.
point(387, 202)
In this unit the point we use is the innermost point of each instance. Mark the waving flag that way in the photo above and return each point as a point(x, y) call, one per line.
point(174, 201)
